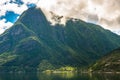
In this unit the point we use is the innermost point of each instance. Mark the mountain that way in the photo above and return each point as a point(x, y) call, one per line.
point(109, 63)
point(32, 42)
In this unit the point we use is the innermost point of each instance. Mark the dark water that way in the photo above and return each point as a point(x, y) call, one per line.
point(68, 76)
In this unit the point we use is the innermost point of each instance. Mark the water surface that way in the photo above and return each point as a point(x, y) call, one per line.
point(65, 76)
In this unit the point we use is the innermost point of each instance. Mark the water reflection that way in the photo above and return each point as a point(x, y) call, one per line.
point(85, 76)
point(65, 76)
point(18, 76)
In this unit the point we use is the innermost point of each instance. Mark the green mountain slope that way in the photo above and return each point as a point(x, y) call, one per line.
point(109, 63)
point(32, 40)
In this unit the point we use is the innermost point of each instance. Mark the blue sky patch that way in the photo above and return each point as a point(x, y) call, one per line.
point(10, 16)
point(19, 2)
point(29, 5)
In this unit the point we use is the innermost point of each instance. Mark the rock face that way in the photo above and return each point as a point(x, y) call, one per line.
point(109, 63)
point(32, 40)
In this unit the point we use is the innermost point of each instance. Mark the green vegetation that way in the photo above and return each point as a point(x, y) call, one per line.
point(109, 63)
point(45, 65)
point(32, 43)
point(66, 69)
point(6, 57)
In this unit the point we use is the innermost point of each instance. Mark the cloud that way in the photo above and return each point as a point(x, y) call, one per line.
point(92, 18)
point(30, 1)
point(4, 25)
point(12, 7)
point(103, 12)
point(98, 2)
point(16, 6)
point(67, 8)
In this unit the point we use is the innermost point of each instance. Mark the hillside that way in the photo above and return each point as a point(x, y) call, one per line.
point(33, 40)
point(109, 63)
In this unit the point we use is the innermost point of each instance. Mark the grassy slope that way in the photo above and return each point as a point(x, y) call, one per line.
point(109, 63)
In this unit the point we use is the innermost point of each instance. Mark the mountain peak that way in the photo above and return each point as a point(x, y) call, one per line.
point(33, 15)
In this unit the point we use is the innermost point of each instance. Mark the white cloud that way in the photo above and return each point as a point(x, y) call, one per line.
point(103, 12)
point(4, 1)
point(4, 25)
point(12, 7)
point(30, 1)
point(5, 5)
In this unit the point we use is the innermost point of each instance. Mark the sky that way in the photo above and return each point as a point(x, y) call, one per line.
point(102, 12)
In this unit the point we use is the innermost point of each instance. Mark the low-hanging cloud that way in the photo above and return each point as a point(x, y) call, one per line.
point(102, 12)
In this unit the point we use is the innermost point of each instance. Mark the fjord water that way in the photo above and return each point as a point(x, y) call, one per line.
point(67, 76)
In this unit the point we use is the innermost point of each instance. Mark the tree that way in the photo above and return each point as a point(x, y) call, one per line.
point(45, 65)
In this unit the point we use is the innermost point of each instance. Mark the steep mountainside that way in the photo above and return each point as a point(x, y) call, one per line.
point(109, 63)
point(32, 40)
